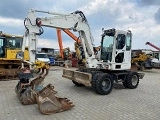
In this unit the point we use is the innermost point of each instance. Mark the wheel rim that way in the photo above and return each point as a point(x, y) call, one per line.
point(106, 83)
point(134, 80)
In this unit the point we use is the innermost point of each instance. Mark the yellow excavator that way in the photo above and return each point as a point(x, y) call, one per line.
point(141, 60)
point(9, 64)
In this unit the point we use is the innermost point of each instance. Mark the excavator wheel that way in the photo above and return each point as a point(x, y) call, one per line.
point(94, 79)
point(103, 84)
point(49, 103)
point(125, 84)
point(132, 80)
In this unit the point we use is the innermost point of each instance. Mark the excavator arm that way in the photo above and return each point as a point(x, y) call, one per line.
point(75, 21)
point(45, 97)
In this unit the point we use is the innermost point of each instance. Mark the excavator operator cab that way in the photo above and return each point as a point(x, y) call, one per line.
point(107, 45)
point(14, 42)
point(8, 44)
point(2, 47)
point(116, 48)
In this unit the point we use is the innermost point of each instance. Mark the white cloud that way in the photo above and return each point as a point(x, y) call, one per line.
point(94, 6)
point(119, 14)
point(129, 16)
point(114, 7)
point(54, 43)
point(11, 22)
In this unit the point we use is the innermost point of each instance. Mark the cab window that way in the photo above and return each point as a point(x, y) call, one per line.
point(128, 41)
point(120, 41)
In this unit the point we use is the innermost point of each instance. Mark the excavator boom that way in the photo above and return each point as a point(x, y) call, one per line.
point(74, 21)
point(59, 35)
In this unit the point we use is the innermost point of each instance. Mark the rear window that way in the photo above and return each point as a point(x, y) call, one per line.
point(41, 56)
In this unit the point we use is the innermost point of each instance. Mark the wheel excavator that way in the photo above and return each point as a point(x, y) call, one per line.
point(113, 64)
point(9, 64)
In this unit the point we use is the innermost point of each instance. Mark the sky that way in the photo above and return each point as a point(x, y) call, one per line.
point(142, 17)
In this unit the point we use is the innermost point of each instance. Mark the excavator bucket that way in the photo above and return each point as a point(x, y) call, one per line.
point(34, 92)
point(24, 90)
point(77, 76)
point(49, 103)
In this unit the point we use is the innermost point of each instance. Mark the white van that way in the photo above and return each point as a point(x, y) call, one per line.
point(42, 57)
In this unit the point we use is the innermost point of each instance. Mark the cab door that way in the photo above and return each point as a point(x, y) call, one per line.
point(123, 50)
point(128, 47)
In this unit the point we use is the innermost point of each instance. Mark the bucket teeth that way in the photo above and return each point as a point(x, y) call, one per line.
point(49, 103)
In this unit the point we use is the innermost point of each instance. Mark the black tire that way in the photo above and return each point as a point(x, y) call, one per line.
point(103, 84)
point(125, 84)
point(77, 84)
point(94, 79)
point(132, 80)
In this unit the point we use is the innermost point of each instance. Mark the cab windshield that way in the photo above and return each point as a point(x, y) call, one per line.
point(41, 56)
point(14, 42)
point(107, 47)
